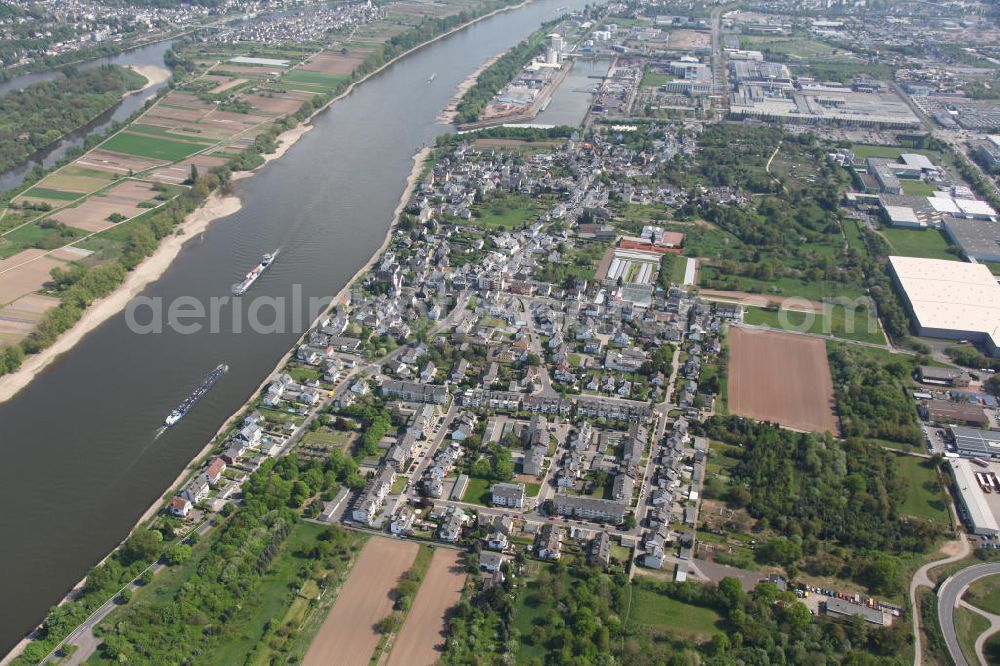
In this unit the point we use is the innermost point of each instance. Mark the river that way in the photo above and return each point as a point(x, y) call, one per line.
point(81, 460)
point(151, 54)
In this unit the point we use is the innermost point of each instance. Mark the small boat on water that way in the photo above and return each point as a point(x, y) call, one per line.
point(430, 79)
point(251, 277)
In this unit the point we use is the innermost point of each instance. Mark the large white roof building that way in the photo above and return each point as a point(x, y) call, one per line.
point(978, 512)
point(950, 299)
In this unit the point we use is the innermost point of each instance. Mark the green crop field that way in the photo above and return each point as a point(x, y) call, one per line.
point(313, 78)
point(45, 193)
point(148, 146)
point(152, 130)
point(927, 243)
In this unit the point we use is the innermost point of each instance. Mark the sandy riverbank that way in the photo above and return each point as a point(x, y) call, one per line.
point(451, 110)
point(154, 76)
point(216, 206)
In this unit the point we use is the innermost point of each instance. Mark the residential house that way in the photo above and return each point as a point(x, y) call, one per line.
point(508, 494)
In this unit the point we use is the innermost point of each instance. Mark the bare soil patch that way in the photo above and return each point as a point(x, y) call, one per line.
point(19, 318)
point(178, 173)
point(274, 105)
point(689, 39)
point(348, 635)
point(92, 214)
point(27, 275)
point(329, 62)
point(421, 639)
point(781, 377)
point(226, 85)
point(115, 162)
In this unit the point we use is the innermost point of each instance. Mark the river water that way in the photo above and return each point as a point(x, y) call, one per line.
point(144, 55)
point(81, 459)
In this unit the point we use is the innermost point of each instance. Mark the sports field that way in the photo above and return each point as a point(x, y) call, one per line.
point(781, 377)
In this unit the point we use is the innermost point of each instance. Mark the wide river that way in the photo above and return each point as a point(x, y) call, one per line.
point(81, 459)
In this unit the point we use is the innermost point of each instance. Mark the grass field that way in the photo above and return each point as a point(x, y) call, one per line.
point(968, 626)
point(478, 492)
point(327, 438)
point(927, 243)
point(652, 79)
point(784, 286)
point(835, 323)
point(917, 188)
point(864, 151)
point(272, 597)
point(722, 458)
point(985, 594)
point(148, 146)
point(153, 130)
point(508, 211)
point(660, 612)
point(924, 497)
point(527, 610)
point(33, 235)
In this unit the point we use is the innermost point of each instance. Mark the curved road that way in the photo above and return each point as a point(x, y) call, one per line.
point(948, 597)
point(921, 579)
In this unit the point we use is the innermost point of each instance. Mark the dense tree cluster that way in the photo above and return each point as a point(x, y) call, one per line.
point(872, 399)
point(179, 626)
point(826, 499)
point(41, 113)
point(588, 619)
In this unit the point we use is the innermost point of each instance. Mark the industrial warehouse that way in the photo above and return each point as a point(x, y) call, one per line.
point(977, 493)
point(950, 299)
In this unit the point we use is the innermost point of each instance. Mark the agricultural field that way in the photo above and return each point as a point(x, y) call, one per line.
point(420, 640)
point(780, 377)
point(121, 202)
point(18, 318)
point(349, 636)
point(311, 80)
point(141, 145)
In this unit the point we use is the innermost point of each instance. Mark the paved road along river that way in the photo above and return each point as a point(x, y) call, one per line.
point(80, 458)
